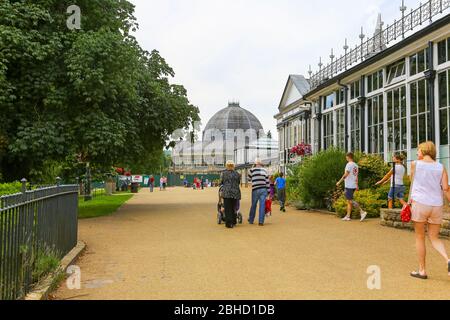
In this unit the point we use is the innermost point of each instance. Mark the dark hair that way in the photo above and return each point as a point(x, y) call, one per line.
point(399, 156)
point(350, 155)
point(281, 174)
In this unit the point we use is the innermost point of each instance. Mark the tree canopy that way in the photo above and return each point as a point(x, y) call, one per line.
point(89, 95)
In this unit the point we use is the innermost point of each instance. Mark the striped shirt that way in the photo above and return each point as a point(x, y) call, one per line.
point(259, 178)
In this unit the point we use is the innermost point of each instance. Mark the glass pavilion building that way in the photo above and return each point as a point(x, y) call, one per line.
point(381, 99)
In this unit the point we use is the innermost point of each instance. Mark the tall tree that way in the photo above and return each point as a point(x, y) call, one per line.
point(90, 95)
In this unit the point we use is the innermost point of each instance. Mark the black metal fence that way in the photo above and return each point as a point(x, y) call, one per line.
point(34, 223)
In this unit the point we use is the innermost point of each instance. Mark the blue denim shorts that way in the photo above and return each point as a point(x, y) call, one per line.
point(349, 194)
point(399, 192)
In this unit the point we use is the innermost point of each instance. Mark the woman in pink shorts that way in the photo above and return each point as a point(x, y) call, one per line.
point(430, 183)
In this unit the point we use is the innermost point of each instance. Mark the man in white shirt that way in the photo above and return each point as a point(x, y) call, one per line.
point(351, 186)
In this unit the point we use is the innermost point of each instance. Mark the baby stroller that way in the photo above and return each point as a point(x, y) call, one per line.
point(221, 210)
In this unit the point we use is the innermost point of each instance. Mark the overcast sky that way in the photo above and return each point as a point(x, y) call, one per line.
point(244, 50)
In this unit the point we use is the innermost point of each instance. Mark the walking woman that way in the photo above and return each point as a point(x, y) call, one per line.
point(231, 192)
point(429, 184)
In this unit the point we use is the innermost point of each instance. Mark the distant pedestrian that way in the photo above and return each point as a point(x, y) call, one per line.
point(280, 183)
point(164, 183)
point(202, 182)
point(351, 186)
point(397, 190)
point(161, 183)
point(260, 190)
point(429, 185)
point(152, 183)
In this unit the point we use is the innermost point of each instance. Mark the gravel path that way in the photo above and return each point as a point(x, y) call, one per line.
point(167, 245)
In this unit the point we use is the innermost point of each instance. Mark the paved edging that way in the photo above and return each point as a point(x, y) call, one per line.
point(44, 288)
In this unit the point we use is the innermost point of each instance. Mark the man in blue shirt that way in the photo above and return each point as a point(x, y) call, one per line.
point(280, 183)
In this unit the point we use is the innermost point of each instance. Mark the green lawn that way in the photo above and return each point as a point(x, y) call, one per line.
point(101, 205)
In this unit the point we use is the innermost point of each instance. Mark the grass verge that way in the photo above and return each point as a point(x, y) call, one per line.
point(101, 206)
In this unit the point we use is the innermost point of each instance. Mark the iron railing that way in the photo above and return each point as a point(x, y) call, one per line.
point(408, 22)
point(34, 223)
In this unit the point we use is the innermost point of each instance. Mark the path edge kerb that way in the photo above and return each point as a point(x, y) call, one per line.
point(46, 286)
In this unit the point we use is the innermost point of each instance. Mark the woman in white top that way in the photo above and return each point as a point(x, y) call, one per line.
point(429, 184)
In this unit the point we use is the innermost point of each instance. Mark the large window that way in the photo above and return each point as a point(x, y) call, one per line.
point(355, 127)
point(328, 132)
point(396, 121)
point(375, 81)
point(444, 116)
point(418, 62)
point(444, 103)
point(355, 89)
point(340, 128)
point(375, 116)
point(444, 51)
point(420, 113)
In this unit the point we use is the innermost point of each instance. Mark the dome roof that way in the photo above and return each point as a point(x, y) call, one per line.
point(232, 118)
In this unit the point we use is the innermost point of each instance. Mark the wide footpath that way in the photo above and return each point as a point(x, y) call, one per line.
point(167, 245)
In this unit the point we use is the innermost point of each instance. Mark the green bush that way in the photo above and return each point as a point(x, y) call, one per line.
point(372, 169)
point(10, 188)
point(369, 201)
point(315, 178)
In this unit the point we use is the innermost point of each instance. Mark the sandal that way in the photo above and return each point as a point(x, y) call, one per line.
point(417, 275)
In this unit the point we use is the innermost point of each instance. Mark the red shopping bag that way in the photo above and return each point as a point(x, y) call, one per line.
point(268, 205)
point(406, 213)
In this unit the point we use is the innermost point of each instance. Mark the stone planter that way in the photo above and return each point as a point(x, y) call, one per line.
point(391, 218)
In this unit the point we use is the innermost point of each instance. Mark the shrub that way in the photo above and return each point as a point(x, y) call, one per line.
point(315, 178)
point(372, 169)
point(368, 199)
point(10, 188)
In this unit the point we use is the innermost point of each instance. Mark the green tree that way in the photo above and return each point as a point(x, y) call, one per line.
point(90, 95)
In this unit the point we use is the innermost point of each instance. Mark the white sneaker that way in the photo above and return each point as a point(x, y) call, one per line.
point(363, 216)
point(346, 219)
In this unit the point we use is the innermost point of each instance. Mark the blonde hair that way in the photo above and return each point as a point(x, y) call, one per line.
point(428, 149)
point(230, 165)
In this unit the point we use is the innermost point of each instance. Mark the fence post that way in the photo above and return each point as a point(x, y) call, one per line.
point(24, 185)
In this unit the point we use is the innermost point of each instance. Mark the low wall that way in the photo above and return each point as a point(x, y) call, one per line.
point(391, 218)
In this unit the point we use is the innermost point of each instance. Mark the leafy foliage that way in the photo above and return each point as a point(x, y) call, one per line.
point(369, 201)
point(315, 178)
point(372, 169)
point(92, 95)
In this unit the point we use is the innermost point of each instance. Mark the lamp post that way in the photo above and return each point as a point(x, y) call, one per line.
point(87, 187)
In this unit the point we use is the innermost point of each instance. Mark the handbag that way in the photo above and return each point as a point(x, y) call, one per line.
point(268, 206)
point(406, 210)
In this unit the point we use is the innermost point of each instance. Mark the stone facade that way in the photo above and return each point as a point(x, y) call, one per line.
point(391, 218)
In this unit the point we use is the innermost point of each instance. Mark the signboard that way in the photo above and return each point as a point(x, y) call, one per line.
point(137, 179)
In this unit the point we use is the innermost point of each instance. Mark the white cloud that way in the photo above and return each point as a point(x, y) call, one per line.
point(245, 50)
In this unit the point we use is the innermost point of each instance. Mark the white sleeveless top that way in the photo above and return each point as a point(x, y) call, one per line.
point(427, 189)
point(399, 175)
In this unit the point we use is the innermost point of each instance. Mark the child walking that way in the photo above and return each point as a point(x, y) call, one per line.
point(280, 183)
point(271, 197)
point(397, 190)
point(351, 186)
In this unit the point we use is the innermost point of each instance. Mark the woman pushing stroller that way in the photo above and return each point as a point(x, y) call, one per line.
point(230, 181)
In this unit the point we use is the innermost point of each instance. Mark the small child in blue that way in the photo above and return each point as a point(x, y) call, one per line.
point(280, 183)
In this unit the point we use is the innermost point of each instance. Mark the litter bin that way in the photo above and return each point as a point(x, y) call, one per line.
point(134, 187)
